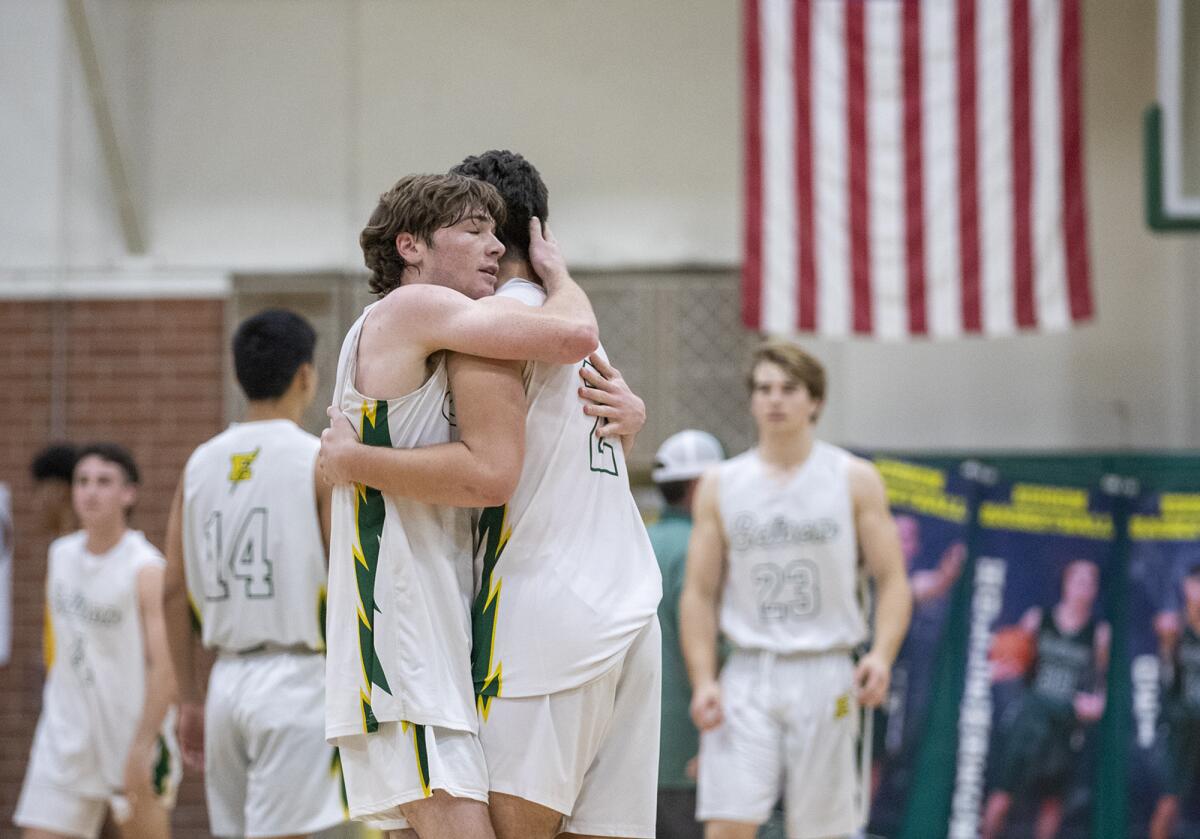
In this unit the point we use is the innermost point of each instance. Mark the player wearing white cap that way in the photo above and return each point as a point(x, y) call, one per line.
point(680, 461)
point(104, 738)
point(774, 560)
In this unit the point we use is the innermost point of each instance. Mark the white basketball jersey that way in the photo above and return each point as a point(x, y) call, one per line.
point(400, 587)
point(567, 574)
point(252, 544)
point(96, 682)
point(792, 581)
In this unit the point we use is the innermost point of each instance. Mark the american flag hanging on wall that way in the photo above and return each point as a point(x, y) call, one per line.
point(914, 167)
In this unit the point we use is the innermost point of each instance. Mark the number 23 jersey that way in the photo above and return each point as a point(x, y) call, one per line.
point(792, 577)
point(252, 545)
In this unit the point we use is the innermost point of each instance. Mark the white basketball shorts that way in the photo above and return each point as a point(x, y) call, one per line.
point(404, 762)
point(48, 803)
point(267, 768)
point(791, 728)
point(591, 753)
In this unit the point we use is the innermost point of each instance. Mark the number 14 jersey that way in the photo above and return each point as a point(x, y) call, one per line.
point(252, 546)
point(793, 571)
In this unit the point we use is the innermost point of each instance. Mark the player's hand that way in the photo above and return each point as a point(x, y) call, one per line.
point(1089, 707)
point(545, 257)
point(336, 441)
point(871, 679)
point(607, 395)
point(189, 730)
point(706, 706)
point(138, 791)
point(691, 769)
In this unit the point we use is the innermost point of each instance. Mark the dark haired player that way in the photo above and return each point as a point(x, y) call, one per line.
point(51, 470)
point(400, 704)
point(103, 739)
point(568, 725)
point(246, 548)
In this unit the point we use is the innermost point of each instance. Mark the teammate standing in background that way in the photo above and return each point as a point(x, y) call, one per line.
point(400, 702)
point(103, 738)
point(680, 461)
point(775, 553)
point(246, 550)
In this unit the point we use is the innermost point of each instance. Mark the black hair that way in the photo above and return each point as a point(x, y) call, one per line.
point(55, 462)
point(113, 453)
point(674, 491)
point(268, 349)
point(1194, 571)
point(522, 188)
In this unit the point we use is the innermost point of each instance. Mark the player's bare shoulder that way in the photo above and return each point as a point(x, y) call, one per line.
point(866, 483)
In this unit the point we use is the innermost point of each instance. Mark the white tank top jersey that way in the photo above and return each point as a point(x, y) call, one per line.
point(399, 629)
point(96, 682)
point(253, 552)
point(792, 580)
point(567, 576)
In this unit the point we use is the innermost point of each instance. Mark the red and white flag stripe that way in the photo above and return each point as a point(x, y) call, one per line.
point(914, 167)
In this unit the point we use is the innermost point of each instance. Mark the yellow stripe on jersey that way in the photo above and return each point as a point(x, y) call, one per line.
point(197, 620)
point(420, 749)
point(47, 638)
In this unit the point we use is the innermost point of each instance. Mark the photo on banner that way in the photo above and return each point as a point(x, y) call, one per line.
point(931, 508)
point(1037, 661)
point(1164, 655)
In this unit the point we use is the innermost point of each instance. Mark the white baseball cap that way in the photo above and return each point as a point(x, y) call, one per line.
point(686, 455)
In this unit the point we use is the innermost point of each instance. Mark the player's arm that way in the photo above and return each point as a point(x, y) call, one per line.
point(561, 331)
point(884, 562)
point(160, 684)
point(606, 394)
point(324, 492)
point(480, 470)
point(181, 639)
point(699, 603)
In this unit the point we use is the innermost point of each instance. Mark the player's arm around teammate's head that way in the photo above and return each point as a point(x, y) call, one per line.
point(700, 601)
point(434, 257)
point(883, 559)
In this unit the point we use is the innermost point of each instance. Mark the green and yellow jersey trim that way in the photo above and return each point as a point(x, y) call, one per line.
point(492, 537)
point(194, 613)
point(322, 605)
point(368, 534)
point(421, 752)
point(335, 771)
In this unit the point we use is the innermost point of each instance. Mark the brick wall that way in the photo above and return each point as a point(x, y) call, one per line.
point(143, 373)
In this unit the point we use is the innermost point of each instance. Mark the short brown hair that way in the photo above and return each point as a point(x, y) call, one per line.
point(420, 205)
point(799, 365)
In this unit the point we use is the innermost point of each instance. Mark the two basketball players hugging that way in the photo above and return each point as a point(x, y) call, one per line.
point(513, 698)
